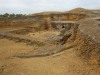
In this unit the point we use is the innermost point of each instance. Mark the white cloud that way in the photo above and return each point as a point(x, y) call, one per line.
point(33, 6)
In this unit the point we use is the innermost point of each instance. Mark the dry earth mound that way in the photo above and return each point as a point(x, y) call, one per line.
point(89, 41)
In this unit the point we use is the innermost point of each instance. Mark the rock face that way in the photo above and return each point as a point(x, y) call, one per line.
point(86, 34)
point(40, 18)
point(88, 41)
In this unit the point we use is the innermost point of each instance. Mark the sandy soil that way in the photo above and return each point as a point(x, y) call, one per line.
point(42, 35)
point(64, 63)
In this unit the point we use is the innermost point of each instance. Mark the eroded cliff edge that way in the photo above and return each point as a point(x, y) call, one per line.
point(88, 41)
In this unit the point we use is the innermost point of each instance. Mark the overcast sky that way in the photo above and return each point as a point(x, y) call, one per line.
point(34, 6)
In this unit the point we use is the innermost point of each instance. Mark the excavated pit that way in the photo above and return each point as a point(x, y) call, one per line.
point(84, 36)
point(56, 43)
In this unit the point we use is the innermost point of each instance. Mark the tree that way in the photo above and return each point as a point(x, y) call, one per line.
point(12, 15)
point(6, 15)
point(1, 15)
point(19, 15)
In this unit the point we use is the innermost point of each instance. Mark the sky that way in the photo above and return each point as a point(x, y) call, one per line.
point(35, 6)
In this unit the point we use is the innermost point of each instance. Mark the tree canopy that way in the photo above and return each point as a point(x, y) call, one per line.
point(7, 15)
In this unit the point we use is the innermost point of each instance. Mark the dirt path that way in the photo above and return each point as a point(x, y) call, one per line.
point(63, 63)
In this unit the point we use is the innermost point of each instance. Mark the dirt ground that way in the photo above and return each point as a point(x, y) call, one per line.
point(42, 35)
point(63, 63)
